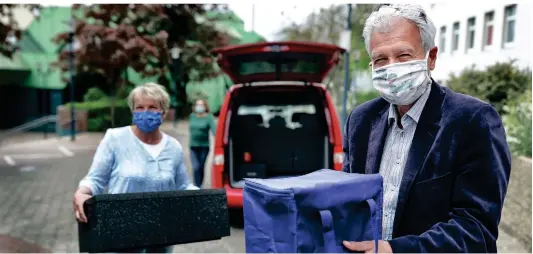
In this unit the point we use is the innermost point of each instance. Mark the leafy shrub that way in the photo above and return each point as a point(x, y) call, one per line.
point(517, 122)
point(363, 97)
point(359, 97)
point(508, 89)
point(94, 94)
point(99, 114)
point(496, 85)
point(196, 96)
point(124, 91)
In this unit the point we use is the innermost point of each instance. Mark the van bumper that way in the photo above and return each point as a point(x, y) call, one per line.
point(234, 197)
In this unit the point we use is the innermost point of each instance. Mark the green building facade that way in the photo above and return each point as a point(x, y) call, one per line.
point(31, 87)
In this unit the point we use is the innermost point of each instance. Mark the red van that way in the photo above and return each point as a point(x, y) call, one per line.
point(278, 120)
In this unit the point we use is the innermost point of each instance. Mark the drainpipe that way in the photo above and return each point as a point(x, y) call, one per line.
point(175, 53)
point(43, 72)
point(72, 76)
point(346, 68)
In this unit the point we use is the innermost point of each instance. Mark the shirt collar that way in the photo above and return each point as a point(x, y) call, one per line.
point(414, 112)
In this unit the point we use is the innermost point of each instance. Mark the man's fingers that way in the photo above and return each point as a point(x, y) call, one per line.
point(359, 246)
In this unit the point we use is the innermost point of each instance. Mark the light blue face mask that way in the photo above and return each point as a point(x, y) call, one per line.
point(147, 121)
point(199, 109)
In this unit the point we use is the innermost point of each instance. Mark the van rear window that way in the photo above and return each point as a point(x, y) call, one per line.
point(288, 62)
point(288, 113)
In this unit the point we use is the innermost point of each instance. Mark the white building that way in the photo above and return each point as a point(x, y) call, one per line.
point(481, 34)
point(22, 16)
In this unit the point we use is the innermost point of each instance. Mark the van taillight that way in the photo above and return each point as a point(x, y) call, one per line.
point(247, 157)
point(218, 160)
point(338, 158)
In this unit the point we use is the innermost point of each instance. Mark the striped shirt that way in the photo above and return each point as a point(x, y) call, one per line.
point(397, 145)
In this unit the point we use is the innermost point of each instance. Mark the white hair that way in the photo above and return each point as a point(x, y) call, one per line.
point(151, 91)
point(383, 19)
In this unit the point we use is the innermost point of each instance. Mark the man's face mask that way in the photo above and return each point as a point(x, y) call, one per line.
point(402, 83)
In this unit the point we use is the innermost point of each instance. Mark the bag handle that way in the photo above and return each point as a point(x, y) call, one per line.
point(374, 221)
point(330, 245)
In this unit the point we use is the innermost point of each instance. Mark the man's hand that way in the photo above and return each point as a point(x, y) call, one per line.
point(368, 246)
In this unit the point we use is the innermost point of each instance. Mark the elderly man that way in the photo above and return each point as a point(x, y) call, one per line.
point(443, 155)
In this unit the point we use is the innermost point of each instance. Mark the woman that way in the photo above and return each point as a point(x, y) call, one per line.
point(137, 158)
point(201, 122)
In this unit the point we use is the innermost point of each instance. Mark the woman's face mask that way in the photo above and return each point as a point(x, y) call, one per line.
point(199, 109)
point(147, 121)
point(402, 83)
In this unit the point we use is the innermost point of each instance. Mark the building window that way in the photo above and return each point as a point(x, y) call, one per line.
point(488, 29)
point(442, 39)
point(509, 23)
point(455, 38)
point(470, 33)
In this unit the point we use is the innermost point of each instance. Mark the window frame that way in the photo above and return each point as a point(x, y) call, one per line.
point(505, 31)
point(442, 39)
point(470, 34)
point(486, 24)
point(456, 36)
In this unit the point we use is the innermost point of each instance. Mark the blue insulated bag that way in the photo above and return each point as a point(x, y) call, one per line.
point(312, 213)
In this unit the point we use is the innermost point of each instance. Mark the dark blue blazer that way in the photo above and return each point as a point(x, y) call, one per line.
point(455, 178)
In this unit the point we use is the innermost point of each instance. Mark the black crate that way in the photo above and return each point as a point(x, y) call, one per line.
point(121, 222)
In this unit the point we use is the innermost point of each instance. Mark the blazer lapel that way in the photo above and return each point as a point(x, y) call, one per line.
point(376, 141)
point(424, 137)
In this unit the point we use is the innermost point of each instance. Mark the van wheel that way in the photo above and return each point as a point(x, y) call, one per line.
point(236, 218)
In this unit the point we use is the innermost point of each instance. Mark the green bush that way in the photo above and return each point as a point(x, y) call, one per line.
point(99, 114)
point(359, 97)
point(94, 94)
point(366, 96)
point(508, 89)
point(517, 122)
point(124, 91)
point(496, 85)
point(196, 96)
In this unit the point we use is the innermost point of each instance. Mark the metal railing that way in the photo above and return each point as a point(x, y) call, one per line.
point(29, 126)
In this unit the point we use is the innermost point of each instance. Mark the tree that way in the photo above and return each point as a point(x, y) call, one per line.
point(114, 37)
point(10, 31)
point(325, 26)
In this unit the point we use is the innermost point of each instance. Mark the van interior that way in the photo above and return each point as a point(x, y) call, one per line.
point(277, 131)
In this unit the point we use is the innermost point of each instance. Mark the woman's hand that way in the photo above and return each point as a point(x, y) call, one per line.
point(80, 196)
